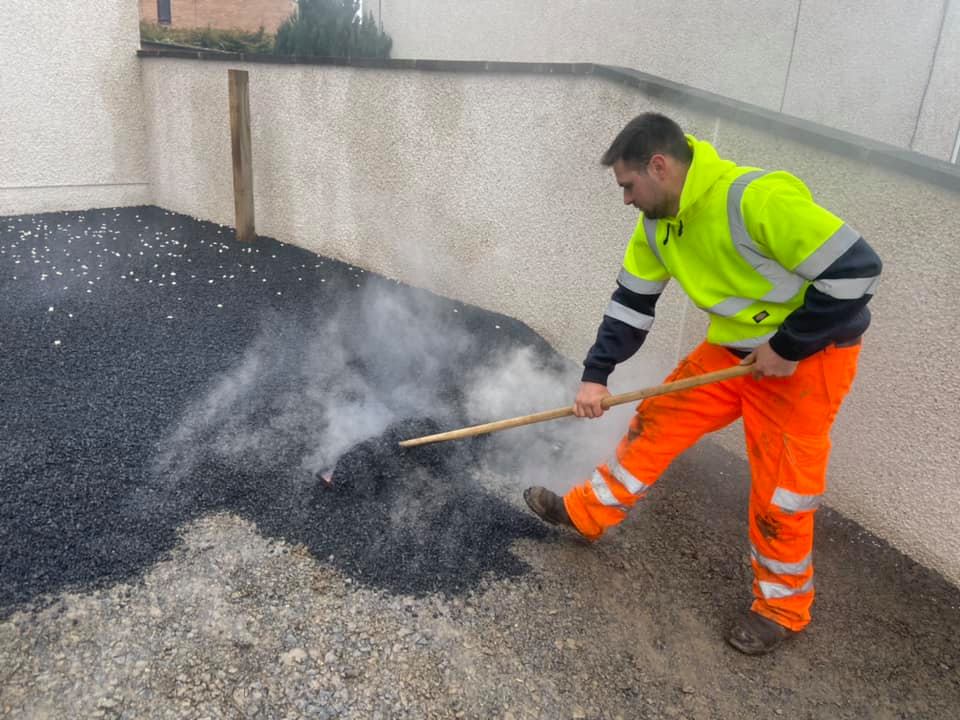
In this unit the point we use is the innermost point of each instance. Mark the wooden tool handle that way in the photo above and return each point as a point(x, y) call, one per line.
point(608, 402)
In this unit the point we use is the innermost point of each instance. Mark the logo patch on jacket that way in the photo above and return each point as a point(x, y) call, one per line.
point(761, 316)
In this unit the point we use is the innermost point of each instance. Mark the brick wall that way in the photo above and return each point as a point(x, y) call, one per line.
point(224, 14)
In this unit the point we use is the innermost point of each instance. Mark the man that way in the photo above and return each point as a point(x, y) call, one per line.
point(786, 285)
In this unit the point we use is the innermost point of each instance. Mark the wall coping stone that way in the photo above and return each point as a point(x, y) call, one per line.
point(874, 152)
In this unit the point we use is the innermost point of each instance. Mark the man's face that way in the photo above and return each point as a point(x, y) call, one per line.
point(642, 189)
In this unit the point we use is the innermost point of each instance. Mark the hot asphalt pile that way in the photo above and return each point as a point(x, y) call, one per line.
point(427, 520)
point(132, 403)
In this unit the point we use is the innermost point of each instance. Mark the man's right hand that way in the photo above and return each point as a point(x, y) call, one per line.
point(587, 404)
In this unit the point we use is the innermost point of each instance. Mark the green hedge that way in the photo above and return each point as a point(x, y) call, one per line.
point(332, 28)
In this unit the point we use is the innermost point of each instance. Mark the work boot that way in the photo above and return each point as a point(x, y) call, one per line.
point(753, 634)
point(548, 506)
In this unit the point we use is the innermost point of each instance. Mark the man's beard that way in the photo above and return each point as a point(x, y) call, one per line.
point(656, 213)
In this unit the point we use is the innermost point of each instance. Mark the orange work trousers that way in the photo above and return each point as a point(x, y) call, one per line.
point(787, 424)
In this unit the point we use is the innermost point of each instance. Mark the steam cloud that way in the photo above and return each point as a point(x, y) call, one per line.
point(393, 354)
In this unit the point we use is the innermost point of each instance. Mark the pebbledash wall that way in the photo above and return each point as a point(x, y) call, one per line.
point(71, 110)
point(885, 70)
point(484, 185)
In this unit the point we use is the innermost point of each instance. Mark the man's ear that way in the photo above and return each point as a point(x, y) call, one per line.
point(658, 166)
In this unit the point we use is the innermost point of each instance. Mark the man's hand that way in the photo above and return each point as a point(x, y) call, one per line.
point(589, 397)
point(766, 363)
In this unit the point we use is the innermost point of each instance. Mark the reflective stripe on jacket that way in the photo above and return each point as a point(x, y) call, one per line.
point(753, 250)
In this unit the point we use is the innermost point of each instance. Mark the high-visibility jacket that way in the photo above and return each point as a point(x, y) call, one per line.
point(753, 250)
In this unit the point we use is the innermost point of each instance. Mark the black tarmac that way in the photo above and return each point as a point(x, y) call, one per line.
point(432, 528)
point(133, 403)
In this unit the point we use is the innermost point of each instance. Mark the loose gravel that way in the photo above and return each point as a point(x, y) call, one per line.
point(163, 372)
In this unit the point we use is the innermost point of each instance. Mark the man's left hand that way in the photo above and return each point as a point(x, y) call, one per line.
point(766, 363)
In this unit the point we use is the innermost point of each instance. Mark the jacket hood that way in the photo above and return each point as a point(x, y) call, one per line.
point(707, 167)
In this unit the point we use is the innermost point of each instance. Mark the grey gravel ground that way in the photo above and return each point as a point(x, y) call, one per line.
point(235, 625)
point(161, 557)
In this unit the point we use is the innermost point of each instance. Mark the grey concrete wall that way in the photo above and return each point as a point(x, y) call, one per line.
point(939, 126)
point(738, 49)
point(487, 188)
point(863, 66)
point(860, 66)
point(71, 121)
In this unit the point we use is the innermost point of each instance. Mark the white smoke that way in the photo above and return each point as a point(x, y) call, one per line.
point(327, 387)
point(558, 453)
point(382, 357)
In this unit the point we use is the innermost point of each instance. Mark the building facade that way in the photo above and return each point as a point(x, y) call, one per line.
point(248, 15)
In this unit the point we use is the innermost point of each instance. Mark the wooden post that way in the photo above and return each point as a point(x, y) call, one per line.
point(242, 158)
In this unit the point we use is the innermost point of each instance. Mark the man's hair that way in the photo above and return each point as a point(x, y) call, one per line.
point(645, 136)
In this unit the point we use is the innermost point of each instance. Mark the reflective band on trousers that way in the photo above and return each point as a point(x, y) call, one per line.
point(631, 317)
point(623, 476)
point(603, 493)
point(848, 288)
point(792, 502)
point(639, 285)
point(781, 568)
point(772, 590)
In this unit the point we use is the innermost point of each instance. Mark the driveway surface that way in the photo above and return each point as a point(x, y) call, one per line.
point(168, 547)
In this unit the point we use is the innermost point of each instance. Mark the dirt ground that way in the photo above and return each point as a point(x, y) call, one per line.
point(236, 625)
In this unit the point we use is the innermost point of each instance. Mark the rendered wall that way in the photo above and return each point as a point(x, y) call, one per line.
point(878, 68)
point(71, 119)
point(487, 188)
point(938, 131)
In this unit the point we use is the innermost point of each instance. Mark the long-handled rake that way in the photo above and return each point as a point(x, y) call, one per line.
point(608, 402)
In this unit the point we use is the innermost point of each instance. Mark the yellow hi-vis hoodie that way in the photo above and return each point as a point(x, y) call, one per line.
point(753, 250)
